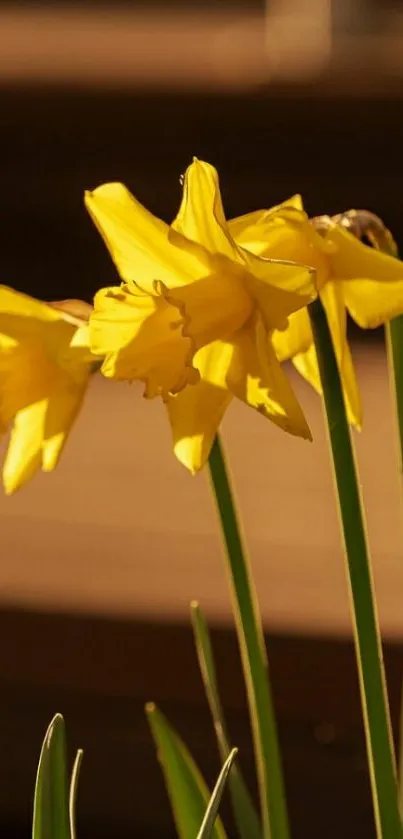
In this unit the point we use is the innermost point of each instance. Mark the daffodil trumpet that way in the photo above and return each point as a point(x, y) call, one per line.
point(367, 637)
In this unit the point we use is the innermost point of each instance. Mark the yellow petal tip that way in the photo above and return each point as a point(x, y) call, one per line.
point(10, 485)
point(88, 196)
point(113, 189)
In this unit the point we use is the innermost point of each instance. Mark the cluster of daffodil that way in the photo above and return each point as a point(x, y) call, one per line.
point(206, 311)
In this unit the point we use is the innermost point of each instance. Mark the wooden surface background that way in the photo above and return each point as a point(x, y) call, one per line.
point(121, 528)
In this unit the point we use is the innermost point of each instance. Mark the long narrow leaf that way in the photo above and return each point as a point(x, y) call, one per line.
point(215, 800)
point(51, 807)
point(245, 814)
point(187, 790)
point(75, 775)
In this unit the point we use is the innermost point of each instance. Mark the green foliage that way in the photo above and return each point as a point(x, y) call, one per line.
point(187, 790)
point(54, 802)
point(244, 811)
point(207, 827)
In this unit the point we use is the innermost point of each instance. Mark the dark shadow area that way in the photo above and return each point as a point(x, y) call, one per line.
point(99, 673)
point(339, 153)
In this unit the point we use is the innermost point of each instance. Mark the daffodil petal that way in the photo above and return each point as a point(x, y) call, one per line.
point(307, 365)
point(372, 303)
point(257, 230)
point(24, 320)
point(353, 260)
point(285, 234)
point(142, 337)
point(306, 361)
point(294, 203)
point(201, 216)
point(117, 316)
point(62, 409)
point(351, 391)
point(332, 299)
point(36, 331)
point(138, 241)
point(26, 377)
point(80, 347)
point(37, 364)
point(296, 338)
point(248, 230)
point(256, 377)
point(27, 308)
point(280, 288)
point(24, 453)
point(196, 412)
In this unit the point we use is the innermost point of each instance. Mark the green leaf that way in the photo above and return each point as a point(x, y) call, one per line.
point(215, 800)
point(187, 790)
point(244, 811)
point(51, 808)
point(75, 775)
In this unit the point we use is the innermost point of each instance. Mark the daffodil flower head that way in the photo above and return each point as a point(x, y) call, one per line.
point(351, 277)
point(45, 364)
point(194, 315)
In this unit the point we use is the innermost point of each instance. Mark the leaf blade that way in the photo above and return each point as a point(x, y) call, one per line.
point(51, 810)
point(75, 776)
point(188, 793)
point(244, 811)
point(210, 816)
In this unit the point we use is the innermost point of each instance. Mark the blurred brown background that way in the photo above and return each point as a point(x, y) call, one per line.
point(100, 560)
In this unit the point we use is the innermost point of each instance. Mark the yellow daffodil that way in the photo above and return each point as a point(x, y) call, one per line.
point(45, 365)
point(351, 277)
point(195, 313)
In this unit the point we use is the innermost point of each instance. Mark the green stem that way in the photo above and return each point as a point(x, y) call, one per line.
point(394, 342)
point(364, 617)
point(253, 655)
point(394, 345)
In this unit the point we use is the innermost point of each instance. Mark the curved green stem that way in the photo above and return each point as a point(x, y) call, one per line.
point(253, 655)
point(365, 622)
